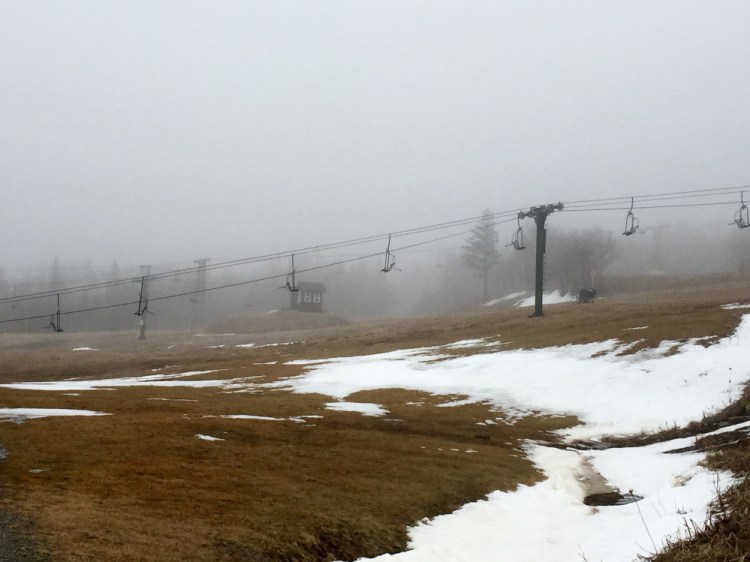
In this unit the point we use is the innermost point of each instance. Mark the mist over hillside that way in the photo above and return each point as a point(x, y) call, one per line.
point(427, 280)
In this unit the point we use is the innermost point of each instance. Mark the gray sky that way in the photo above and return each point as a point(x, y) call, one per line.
point(158, 131)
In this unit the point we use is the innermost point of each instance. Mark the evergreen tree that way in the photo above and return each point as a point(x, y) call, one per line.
point(480, 251)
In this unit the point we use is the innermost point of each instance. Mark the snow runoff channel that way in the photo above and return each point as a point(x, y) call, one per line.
point(612, 395)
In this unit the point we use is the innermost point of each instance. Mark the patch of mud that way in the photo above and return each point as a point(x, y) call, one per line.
point(17, 541)
point(598, 491)
point(592, 482)
point(611, 498)
point(17, 534)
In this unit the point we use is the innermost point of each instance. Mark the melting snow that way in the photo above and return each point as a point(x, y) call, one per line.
point(208, 437)
point(610, 394)
point(468, 344)
point(20, 414)
point(147, 380)
point(247, 417)
point(547, 298)
point(361, 407)
point(549, 521)
point(295, 419)
point(510, 297)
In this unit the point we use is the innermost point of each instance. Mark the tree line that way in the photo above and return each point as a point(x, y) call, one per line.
point(430, 280)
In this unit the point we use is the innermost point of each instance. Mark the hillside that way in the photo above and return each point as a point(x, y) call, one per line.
point(334, 443)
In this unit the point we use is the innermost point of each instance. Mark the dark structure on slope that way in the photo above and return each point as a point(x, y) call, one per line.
point(308, 297)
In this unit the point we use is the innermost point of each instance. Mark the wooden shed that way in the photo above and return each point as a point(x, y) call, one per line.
point(309, 297)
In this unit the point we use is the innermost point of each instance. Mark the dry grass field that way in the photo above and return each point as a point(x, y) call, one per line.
point(138, 485)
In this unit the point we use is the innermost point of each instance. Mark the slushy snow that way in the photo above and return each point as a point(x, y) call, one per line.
point(674, 384)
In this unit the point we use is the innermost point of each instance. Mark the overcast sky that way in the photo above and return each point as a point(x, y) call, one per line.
point(157, 131)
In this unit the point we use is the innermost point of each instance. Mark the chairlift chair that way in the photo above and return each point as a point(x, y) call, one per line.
point(291, 282)
point(54, 319)
point(631, 223)
point(517, 239)
point(389, 264)
point(741, 217)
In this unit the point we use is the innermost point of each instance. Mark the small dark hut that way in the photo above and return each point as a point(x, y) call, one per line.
point(308, 297)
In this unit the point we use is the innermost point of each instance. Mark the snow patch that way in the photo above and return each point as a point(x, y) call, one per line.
point(146, 380)
point(547, 298)
point(674, 384)
point(208, 437)
point(361, 407)
point(506, 298)
point(549, 521)
point(247, 417)
point(20, 414)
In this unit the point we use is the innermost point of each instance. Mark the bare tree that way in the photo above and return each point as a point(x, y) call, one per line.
point(577, 259)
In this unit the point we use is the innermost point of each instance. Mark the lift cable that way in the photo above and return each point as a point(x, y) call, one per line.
point(673, 194)
point(674, 206)
point(253, 259)
point(389, 263)
point(587, 205)
point(248, 281)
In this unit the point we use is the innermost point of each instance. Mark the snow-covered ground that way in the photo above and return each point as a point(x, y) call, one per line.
point(548, 298)
point(611, 394)
point(671, 385)
point(507, 298)
point(21, 414)
point(179, 379)
point(522, 299)
point(549, 521)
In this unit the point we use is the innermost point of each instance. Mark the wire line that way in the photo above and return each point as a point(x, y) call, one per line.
point(646, 201)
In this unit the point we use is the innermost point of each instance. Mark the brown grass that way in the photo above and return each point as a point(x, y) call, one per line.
point(276, 321)
point(726, 534)
point(138, 484)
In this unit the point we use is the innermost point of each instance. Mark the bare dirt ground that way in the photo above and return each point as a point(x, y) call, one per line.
point(139, 485)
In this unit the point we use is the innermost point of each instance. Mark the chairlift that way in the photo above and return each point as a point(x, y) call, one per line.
point(54, 319)
point(517, 238)
point(631, 223)
point(741, 218)
point(390, 260)
point(291, 282)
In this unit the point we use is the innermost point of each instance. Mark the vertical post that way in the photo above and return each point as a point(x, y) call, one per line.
point(145, 272)
point(540, 214)
point(541, 243)
point(199, 299)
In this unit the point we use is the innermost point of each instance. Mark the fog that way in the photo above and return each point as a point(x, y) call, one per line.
point(162, 132)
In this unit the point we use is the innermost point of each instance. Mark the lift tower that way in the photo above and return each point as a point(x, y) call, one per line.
point(540, 214)
point(143, 305)
point(199, 299)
